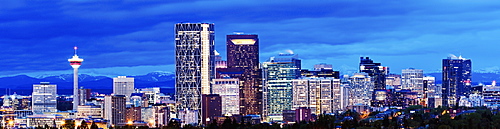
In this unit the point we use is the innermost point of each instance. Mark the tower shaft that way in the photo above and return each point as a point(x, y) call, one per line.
point(75, 89)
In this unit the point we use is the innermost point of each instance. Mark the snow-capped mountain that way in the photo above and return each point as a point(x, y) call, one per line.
point(23, 84)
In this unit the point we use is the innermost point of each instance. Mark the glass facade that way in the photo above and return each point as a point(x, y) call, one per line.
point(243, 54)
point(44, 98)
point(412, 79)
point(194, 64)
point(377, 72)
point(278, 73)
point(456, 79)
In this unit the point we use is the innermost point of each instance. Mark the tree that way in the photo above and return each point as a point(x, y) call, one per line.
point(83, 125)
point(69, 124)
point(93, 126)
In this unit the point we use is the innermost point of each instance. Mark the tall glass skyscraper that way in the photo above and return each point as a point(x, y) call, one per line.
point(278, 73)
point(194, 64)
point(243, 54)
point(456, 79)
point(377, 72)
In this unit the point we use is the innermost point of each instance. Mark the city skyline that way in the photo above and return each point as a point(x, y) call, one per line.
point(333, 32)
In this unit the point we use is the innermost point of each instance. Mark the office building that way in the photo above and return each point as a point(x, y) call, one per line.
point(278, 73)
point(123, 85)
point(243, 53)
point(377, 72)
point(412, 79)
point(114, 109)
point(194, 64)
point(84, 95)
point(75, 63)
point(40, 120)
point(321, 70)
point(44, 98)
point(456, 79)
point(361, 89)
point(432, 92)
point(228, 90)
point(211, 107)
point(393, 81)
point(321, 95)
point(152, 95)
point(491, 95)
point(89, 111)
point(133, 114)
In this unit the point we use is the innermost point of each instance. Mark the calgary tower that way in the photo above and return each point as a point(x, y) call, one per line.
point(75, 62)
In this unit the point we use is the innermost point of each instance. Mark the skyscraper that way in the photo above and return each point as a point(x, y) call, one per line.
point(75, 62)
point(321, 95)
point(361, 89)
point(377, 73)
point(114, 109)
point(123, 85)
point(278, 73)
point(456, 79)
point(44, 98)
point(243, 53)
point(412, 79)
point(194, 64)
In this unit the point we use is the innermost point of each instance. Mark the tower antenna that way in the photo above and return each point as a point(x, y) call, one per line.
point(75, 49)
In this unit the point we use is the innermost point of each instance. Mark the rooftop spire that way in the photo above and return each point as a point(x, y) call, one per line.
point(75, 49)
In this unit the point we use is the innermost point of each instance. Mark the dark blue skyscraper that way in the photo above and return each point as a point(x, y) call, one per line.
point(377, 72)
point(456, 79)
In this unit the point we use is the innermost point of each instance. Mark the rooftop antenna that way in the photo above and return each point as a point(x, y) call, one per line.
point(75, 49)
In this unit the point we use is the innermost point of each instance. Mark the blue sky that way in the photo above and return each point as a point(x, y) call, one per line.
point(136, 37)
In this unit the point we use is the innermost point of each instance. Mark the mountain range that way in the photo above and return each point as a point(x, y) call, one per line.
point(23, 84)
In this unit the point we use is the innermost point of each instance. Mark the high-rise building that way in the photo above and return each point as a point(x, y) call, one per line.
point(75, 62)
point(44, 98)
point(152, 94)
point(194, 65)
point(212, 107)
point(114, 109)
point(321, 95)
point(377, 73)
point(491, 95)
point(393, 81)
point(123, 85)
point(361, 89)
point(432, 92)
point(84, 95)
point(278, 73)
point(456, 79)
point(228, 90)
point(243, 53)
point(412, 79)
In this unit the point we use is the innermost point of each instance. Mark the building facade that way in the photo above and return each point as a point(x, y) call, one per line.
point(194, 64)
point(228, 90)
point(123, 85)
point(377, 72)
point(456, 79)
point(412, 79)
point(321, 95)
point(114, 109)
point(361, 86)
point(44, 98)
point(278, 73)
point(243, 53)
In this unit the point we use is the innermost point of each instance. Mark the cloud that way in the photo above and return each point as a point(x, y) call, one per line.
point(39, 35)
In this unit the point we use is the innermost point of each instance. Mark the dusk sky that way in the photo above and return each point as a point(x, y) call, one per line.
point(136, 37)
